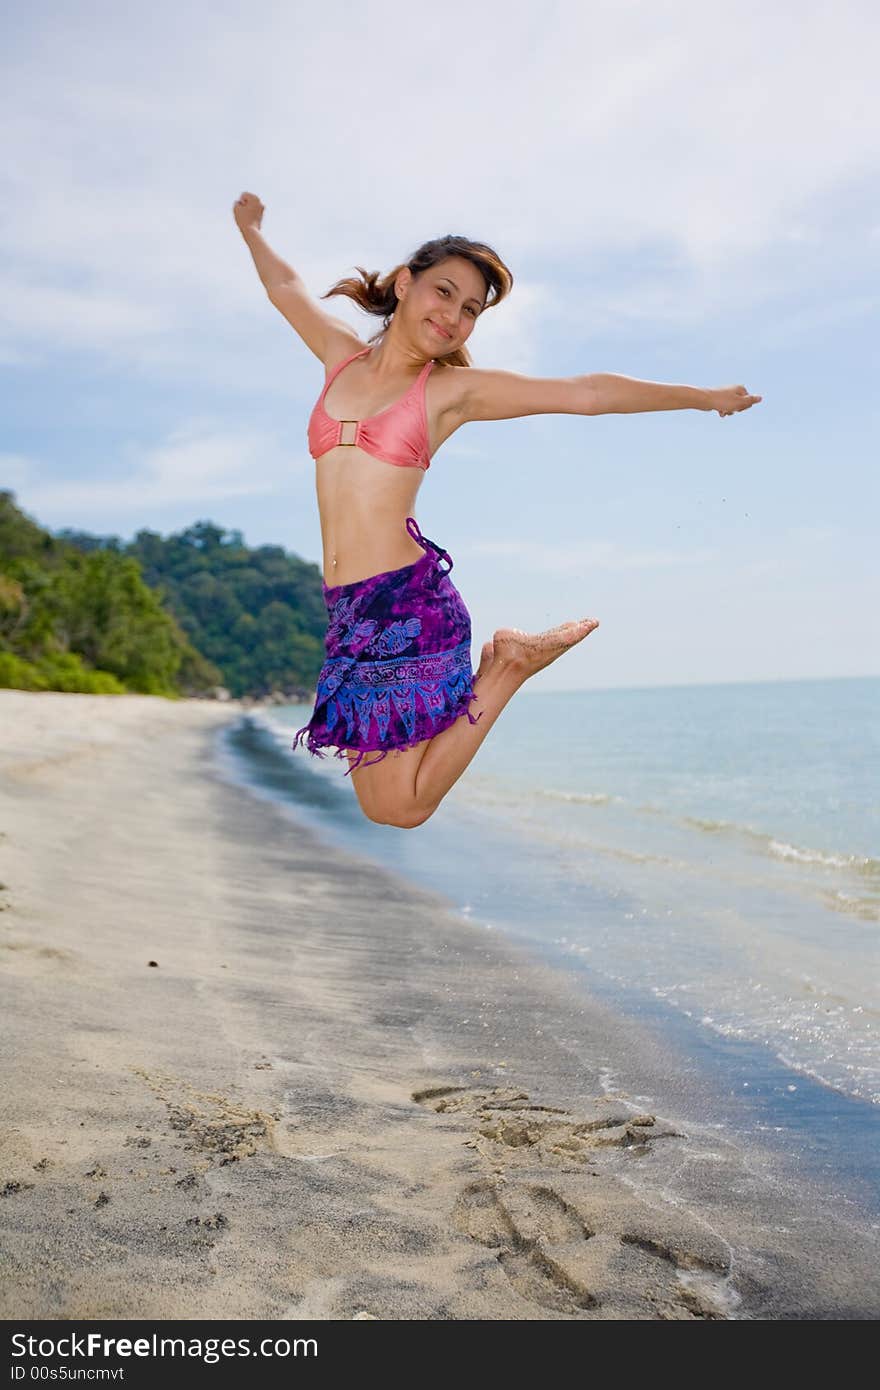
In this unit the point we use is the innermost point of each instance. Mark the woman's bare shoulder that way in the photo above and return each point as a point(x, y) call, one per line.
point(341, 342)
point(449, 389)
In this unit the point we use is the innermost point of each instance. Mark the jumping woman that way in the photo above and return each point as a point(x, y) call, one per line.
point(397, 673)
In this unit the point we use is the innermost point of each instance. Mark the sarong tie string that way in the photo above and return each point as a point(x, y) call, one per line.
point(413, 527)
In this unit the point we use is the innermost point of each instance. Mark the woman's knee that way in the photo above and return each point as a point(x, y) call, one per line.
point(409, 818)
point(402, 817)
point(386, 790)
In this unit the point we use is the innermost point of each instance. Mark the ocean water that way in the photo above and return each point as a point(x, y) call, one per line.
point(705, 856)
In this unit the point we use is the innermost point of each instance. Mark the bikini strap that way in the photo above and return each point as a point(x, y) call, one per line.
point(338, 368)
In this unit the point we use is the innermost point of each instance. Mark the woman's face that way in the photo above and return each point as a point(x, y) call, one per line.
point(443, 303)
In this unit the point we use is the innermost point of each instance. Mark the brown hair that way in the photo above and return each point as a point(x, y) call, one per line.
point(375, 292)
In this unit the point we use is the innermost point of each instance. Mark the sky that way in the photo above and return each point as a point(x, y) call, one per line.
point(684, 192)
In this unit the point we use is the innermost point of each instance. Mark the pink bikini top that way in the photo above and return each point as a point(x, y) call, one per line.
point(398, 434)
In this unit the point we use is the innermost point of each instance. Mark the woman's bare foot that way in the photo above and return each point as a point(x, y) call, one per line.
point(528, 652)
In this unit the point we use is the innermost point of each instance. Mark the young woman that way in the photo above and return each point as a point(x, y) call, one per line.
point(397, 674)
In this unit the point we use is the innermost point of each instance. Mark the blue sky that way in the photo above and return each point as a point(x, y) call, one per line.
point(685, 192)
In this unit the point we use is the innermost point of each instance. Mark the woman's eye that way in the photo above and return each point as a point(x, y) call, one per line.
point(444, 290)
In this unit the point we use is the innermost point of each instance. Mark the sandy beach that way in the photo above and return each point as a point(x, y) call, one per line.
point(248, 1076)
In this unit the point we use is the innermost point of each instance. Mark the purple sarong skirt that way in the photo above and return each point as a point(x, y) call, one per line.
point(397, 665)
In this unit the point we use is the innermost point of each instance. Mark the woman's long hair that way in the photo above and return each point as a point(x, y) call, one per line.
point(375, 292)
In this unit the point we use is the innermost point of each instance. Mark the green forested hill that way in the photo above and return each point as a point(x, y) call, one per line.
point(258, 614)
point(164, 615)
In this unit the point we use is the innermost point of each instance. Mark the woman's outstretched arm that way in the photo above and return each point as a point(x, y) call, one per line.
point(320, 331)
point(625, 395)
point(272, 270)
point(489, 395)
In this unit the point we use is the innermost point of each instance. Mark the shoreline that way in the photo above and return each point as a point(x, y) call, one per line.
point(330, 1096)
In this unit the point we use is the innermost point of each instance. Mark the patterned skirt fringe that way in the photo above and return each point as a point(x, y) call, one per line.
point(397, 666)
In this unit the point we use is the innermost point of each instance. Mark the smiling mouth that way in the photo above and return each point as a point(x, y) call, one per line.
point(447, 336)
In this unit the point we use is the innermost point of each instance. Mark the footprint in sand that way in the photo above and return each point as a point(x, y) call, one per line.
point(505, 1118)
point(584, 1245)
point(212, 1124)
point(23, 955)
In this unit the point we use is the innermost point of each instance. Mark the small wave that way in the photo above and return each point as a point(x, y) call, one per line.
point(862, 864)
point(861, 1084)
point(587, 798)
point(713, 827)
point(780, 849)
point(860, 1091)
point(865, 909)
point(490, 791)
point(281, 733)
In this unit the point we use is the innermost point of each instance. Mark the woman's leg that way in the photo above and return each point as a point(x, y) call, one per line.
point(412, 782)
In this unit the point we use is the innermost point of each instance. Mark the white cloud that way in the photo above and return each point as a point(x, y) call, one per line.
point(792, 547)
point(574, 558)
point(53, 315)
point(198, 463)
point(723, 153)
point(15, 471)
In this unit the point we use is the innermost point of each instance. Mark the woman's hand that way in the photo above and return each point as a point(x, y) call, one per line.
point(248, 211)
point(727, 400)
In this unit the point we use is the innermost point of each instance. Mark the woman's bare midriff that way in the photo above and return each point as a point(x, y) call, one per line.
point(363, 502)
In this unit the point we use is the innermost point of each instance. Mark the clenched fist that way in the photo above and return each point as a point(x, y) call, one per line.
point(727, 400)
point(248, 211)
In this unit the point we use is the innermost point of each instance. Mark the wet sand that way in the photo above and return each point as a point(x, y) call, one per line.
point(250, 1076)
